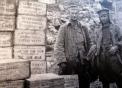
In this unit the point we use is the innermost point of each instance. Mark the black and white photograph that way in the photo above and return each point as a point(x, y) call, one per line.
point(60, 44)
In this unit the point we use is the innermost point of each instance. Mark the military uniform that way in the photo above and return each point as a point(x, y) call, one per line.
point(109, 65)
point(71, 47)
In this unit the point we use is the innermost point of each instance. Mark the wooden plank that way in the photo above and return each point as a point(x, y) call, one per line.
point(32, 8)
point(29, 52)
point(31, 22)
point(7, 23)
point(28, 37)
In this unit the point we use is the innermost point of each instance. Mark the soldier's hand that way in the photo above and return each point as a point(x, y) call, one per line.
point(113, 50)
point(62, 65)
point(62, 68)
point(92, 51)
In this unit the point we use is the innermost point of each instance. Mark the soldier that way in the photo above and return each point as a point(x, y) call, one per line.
point(108, 45)
point(71, 48)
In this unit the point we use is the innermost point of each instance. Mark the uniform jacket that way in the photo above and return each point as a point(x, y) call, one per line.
point(116, 36)
point(63, 49)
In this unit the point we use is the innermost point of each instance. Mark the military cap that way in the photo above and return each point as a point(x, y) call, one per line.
point(103, 11)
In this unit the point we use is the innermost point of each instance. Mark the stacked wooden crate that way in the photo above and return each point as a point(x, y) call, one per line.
point(30, 34)
point(71, 81)
point(13, 73)
point(7, 27)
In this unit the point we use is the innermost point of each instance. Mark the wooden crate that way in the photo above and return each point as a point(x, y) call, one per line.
point(32, 8)
point(7, 23)
point(27, 22)
point(28, 37)
point(29, 52)
point(6, 53)
point(38, 67)
point(5, 39)
point(7, 7)
point(14, 69)
point(45, 81)
point(12, 84)
point(71, 81)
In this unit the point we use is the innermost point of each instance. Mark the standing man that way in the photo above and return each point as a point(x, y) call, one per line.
point(71, 48)
point(109, 42)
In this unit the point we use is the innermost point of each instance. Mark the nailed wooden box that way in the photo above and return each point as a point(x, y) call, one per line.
point(71, 81)
point(5, 39)
point(27, 22)
point(7, 7)
point(7, 23)
point(29, 52)
point(6, 53)
point(32, 8)
point(28, 37)
point(38, 67)
point(14, 69)
point(48, 80)
point(12, 84)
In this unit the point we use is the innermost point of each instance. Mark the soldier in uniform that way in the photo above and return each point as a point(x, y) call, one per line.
point(71, 48)
point(108, 45)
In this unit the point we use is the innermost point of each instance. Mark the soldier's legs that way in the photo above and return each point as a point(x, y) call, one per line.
point(84, 81)
point(119, 82)
point(104, 81)
point(105, 84)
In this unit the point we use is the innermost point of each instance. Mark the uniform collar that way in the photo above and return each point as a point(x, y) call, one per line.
point(71, 24)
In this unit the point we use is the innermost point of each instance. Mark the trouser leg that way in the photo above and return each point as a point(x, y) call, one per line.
point(84, 81)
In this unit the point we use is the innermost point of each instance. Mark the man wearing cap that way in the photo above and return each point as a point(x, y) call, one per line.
point(108, 44)
point(71, 48)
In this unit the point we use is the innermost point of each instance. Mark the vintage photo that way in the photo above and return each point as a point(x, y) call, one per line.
point(60, 44)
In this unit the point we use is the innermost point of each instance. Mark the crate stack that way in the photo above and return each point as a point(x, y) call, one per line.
point(13, 73)
point(7, 27)
point(29, 43)
point(45, 81)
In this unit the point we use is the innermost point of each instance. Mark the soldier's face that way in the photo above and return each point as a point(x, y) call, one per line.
point(74, 15)
point(104, 17)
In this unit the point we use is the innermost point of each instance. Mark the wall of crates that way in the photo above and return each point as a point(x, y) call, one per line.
point(28, 30)
point(23, 28)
